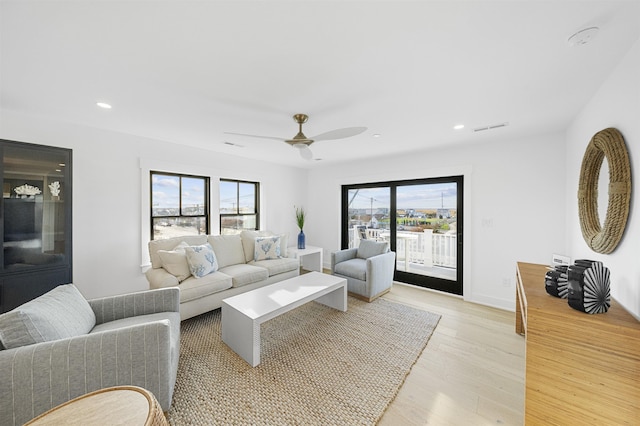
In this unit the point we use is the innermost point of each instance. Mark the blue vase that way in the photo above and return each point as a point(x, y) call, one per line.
point(301, 240)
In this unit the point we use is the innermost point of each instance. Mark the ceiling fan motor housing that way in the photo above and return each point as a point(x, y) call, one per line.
point(300, 118)
point(300, 139)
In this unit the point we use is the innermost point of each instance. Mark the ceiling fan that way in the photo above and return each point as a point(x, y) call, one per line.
point(302, 142)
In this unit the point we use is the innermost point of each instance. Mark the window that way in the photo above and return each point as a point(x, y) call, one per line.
point(422, 219)
point(179, 205)
point(239, 206)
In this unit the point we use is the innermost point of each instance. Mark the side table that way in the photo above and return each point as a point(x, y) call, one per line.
point(310, 257)
point(121, 405)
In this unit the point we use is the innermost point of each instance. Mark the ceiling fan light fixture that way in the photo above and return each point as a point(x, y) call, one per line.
point(304, 151)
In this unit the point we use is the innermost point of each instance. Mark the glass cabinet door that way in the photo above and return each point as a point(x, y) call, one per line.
point(35, 220)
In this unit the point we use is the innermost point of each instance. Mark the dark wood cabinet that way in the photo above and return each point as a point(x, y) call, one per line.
point(35, 221)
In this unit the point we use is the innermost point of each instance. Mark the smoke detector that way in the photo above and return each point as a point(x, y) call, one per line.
point(582, 36)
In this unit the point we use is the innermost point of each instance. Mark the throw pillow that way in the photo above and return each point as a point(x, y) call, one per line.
point(175, 261)
point(369, 248)
point(249, 242)
point(201, 259)
point(61, 313)
point(267, 248)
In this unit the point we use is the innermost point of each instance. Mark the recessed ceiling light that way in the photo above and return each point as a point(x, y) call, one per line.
point(103, 105)
point(458, 126)
point(377, 135)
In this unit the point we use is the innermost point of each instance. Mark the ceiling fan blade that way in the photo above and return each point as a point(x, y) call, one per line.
point(256, 136)
point(347, 132)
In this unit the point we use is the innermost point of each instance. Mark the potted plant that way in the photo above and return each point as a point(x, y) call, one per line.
point(300, 217)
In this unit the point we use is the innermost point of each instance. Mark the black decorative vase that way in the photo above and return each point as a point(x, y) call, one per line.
point(301, 240)
point(589, 287)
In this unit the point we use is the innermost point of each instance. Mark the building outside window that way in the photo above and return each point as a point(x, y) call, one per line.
point(179, 205)
point(239, 206)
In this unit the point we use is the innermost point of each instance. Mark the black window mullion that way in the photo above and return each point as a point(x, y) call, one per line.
point(180, 196)
point(238, 198)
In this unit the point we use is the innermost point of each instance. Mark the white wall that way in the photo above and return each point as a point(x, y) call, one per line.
point(108, 194)
point(514, 205)
point(515, 209)
point(616, 104)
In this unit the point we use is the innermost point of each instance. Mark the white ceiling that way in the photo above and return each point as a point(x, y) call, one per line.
point(188, 71)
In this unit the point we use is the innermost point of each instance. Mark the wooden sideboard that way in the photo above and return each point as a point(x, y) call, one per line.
point(580, 369)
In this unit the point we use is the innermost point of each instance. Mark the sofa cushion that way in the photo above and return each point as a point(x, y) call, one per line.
point(202, 260)
point(267, 248)
point(61, 313)
point(368, 248)
point(244, 274)
point(354, 268)
point(277, 266)
point(228, 249)
point(170, 244)
point(195, 288)
point(175, 261)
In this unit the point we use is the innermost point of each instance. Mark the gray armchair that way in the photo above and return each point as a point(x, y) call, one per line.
point(60, 346)
point(368, 269)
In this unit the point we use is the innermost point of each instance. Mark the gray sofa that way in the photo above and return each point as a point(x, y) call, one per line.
point(236, 269)
point(60, 346)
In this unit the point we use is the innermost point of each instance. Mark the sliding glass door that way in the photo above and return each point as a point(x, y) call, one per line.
point(421, 220)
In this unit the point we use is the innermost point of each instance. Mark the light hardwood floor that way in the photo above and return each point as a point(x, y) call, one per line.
point(470, 373)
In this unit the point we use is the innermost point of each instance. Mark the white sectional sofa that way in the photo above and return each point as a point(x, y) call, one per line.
point(237, 269)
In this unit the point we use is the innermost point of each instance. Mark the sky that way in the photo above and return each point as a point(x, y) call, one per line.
point(430, 196)
point(166, 191)
point(229, 195)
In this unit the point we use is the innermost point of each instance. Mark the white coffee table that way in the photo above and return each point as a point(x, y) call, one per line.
point(243, 314)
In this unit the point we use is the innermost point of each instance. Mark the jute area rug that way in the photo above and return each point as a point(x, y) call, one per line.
point(318, 366)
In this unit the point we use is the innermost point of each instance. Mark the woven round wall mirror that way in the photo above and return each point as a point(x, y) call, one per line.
point(604, 238)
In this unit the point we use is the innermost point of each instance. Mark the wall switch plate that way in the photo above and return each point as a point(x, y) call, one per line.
point(558, 260)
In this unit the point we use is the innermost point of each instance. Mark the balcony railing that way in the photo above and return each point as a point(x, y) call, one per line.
point(423, 248)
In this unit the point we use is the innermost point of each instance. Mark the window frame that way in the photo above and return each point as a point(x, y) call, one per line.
point(256, 202)
point(207, 201)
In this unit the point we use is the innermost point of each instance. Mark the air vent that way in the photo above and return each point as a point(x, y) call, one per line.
point(493, 126)
point(233, 144)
